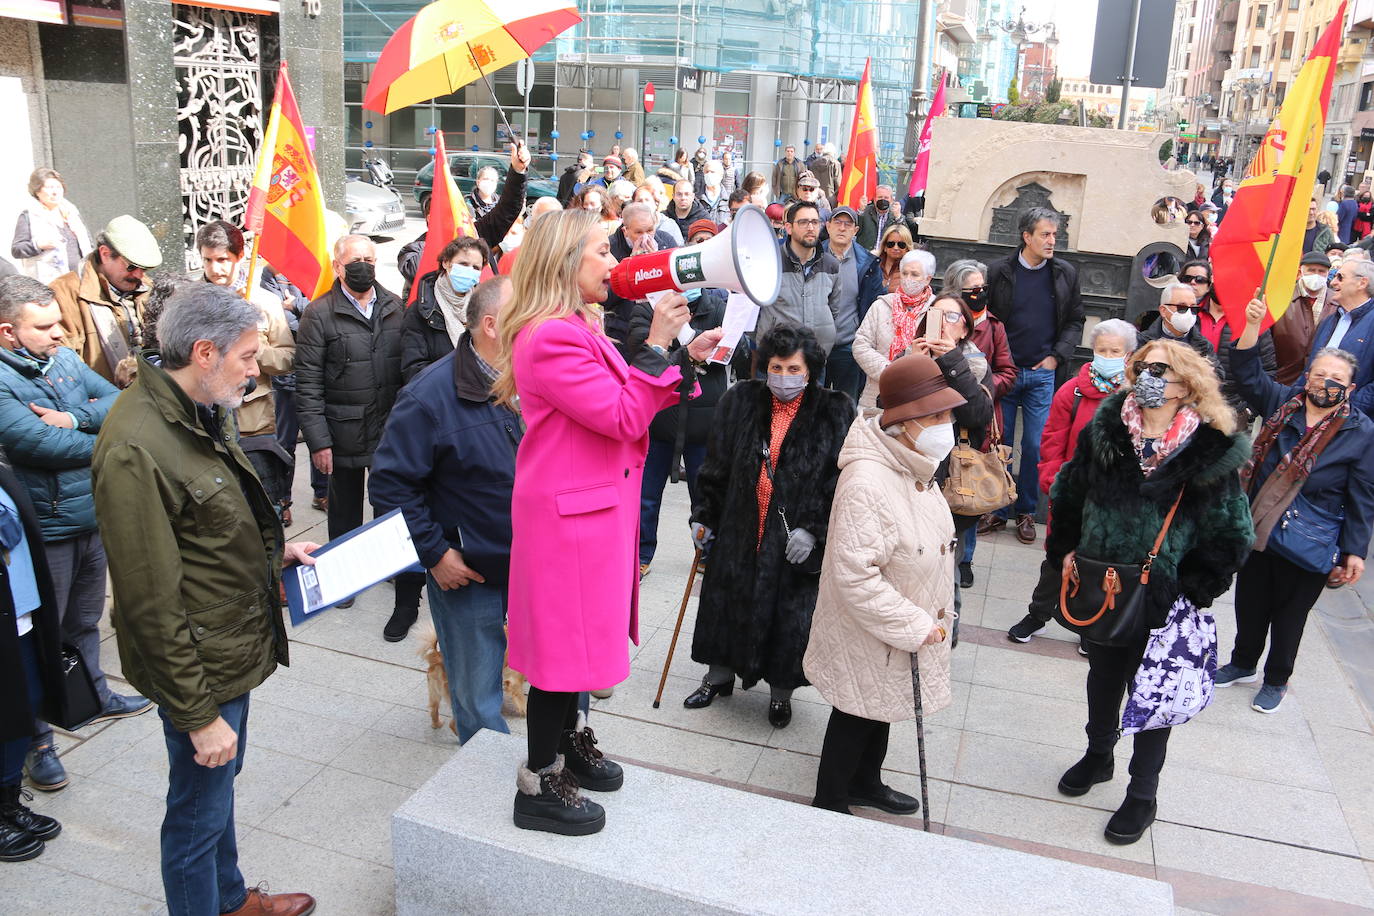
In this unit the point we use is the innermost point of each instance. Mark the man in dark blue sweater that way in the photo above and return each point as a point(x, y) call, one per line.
point(1036, 297)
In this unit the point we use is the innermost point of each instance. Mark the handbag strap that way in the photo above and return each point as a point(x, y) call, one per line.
point(1159, 539)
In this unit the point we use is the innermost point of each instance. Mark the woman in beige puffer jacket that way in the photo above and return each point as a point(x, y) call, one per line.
point(886, 585)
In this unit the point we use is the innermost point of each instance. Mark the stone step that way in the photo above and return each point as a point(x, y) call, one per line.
point(674, 845)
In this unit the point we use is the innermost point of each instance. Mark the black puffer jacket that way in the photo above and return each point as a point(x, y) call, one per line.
point(348, 371)
point(424, 336)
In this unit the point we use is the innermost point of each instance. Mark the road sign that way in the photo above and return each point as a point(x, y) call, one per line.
point(523, 76)
point(648, 98)
point(1151, 47)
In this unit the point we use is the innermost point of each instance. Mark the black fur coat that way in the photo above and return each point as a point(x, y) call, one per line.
point(755, 610)
point(1106, 509)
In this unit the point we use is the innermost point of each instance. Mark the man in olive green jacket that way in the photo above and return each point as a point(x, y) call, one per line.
point(195, 555)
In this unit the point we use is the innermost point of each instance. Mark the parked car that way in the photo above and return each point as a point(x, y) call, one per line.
point(371, 210)
point(465, 166)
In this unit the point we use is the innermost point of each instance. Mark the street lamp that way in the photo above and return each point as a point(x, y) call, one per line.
point(1022, 30)
point(1246, 87)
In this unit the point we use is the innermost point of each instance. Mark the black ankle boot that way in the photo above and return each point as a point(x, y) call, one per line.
point(16, 843)
point(14, 811)
point(549, 801)
point(1086, 773)
point(588, 764)
point(402, 619)
point(703, 695)
point(1131, 820)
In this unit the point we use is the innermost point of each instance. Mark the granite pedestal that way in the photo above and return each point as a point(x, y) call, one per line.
point(674, 845)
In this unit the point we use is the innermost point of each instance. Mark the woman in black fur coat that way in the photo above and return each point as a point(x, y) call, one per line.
point(1169, 433)
point(759, 590)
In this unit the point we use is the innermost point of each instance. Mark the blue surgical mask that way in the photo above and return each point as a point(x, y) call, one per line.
point(1108, 367)
point(463, 278)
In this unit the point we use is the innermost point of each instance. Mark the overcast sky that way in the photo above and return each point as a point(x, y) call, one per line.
point(1075, 21)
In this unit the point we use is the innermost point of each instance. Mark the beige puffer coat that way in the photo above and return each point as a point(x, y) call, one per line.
point(887, 578)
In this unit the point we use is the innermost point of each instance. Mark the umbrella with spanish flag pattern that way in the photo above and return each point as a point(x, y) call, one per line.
point(451, 43)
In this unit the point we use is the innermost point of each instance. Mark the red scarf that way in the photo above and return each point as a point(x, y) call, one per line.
point(1186, 422)
point(906, 318)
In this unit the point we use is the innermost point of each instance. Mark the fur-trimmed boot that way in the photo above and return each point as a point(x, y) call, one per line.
point(549, 800)
point(593, 771)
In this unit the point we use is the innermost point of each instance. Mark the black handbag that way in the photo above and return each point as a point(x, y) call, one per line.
point(1105, 602)
point(77, 702)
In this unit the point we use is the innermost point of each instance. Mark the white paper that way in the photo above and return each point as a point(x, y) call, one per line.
point(373, 554)
point(741, 316)
point(684, 336)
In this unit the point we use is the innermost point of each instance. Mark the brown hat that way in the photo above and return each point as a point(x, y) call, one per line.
point(702, 225)
point(913, 386)
point(808, 178)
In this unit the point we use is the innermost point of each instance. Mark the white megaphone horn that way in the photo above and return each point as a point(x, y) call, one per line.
point(742, 259)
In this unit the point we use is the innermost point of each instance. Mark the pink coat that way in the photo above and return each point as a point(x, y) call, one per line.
point(574, 582)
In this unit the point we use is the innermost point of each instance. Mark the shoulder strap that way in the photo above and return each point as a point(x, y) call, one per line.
point(1159, 539)
point(1073, 411)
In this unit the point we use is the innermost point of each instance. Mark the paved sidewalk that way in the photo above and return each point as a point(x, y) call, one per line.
point(1257, 814)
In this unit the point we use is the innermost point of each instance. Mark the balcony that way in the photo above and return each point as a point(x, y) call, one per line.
point(1362, 14)
point(1230, 12)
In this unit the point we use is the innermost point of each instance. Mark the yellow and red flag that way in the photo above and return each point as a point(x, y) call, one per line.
point(1259, 244)
point(449, 216)
point(286, 205)
point(860, 178)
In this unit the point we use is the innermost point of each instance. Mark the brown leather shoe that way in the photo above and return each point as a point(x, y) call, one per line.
point(990, 523)
point(261, 903)
point(1025, 529)
point(320, 503)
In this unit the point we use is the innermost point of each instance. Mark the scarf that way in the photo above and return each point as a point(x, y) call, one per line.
point(452, 306)
point(1106, 385)
point(1282, 487)
point(977, 362)
point(782, 415)
point(906, 318)
point(1186, 422)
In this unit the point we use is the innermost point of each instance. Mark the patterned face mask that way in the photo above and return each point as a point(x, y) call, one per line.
point(1149, 390)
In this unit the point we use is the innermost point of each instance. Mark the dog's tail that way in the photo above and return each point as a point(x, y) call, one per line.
point(428, 640)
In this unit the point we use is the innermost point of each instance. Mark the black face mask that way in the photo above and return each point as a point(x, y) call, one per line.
point(882, 203)
point(976, 301)
point(1332, 393)
point(359, 276)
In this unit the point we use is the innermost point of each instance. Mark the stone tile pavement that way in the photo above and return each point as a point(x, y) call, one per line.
point(1257, 814)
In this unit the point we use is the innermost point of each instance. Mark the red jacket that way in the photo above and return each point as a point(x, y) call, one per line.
point(1060, 437)
point(991, 338)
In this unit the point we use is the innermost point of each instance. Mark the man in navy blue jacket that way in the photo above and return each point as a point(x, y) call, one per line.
point(51, 407)
point(447, 461)
point(860, 283)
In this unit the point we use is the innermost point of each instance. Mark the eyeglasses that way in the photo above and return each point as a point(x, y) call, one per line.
point(1156, 369)
point(1192, 222)
point(1195, 309)
point(974, 289)
point(898, 243)
point(1199, 279)
point(950, 317)
point(805, 223)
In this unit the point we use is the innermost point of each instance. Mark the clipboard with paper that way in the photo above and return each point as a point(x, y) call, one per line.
point(349, 565)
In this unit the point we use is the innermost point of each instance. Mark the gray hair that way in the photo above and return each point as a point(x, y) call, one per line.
point(1167, 292)
point(17, 291)
point(1354, 254)
point(1034, 217)
point(487, 171)
point(485, 299)
point(344, 241)
point(203, 311)
point(957, 273)
point(1363, 268)
point(639, 209)
point(922, 257)
point(1114, 327)
point(1344, 356)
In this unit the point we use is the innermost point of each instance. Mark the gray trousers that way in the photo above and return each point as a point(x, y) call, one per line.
point(78, 579)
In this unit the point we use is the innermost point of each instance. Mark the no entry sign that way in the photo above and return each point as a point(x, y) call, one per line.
point(648, 98)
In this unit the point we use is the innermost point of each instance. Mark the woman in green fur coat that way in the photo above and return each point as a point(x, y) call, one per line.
point(1169, 430)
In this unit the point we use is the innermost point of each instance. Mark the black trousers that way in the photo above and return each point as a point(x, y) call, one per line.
point(275, 475)
point(852, 755)
point(1273, 598)
point(548, 715)
point(346, 498)
point(1111, 670)
point(1045, 596)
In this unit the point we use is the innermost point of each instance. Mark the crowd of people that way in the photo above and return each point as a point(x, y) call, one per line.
point(526, 420)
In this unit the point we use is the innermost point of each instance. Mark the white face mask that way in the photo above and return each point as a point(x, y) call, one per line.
point(487, 187)
point(935, 442)
point(712, 180)
point(1182, 322)
point(911, 286)
point(1314, 283)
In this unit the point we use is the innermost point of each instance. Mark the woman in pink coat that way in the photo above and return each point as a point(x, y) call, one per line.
point(575, 508)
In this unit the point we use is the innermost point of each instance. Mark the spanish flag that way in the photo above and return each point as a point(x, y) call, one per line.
point(861, 159)
point(286, 206)
point(1259, 244)
point(449, 217)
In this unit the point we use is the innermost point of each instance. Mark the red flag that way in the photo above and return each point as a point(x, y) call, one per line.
point(285, 205)
point(861, 159)
point(449, 216)
point(1259, 243)
point(921, 172)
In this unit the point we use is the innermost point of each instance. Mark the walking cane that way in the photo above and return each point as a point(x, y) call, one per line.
point(920, 741)
point(681, 613)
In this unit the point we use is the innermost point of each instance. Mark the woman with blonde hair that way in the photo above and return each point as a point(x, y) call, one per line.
point(575, 506)
point(1166, 443)
point(892, 247)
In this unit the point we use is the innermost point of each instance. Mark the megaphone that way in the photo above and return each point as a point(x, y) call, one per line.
point(742, 259)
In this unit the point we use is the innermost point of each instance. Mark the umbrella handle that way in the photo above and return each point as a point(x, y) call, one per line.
point(501, 111)
point(920, 741)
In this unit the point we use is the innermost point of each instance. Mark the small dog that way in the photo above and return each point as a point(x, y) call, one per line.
point(436, 678)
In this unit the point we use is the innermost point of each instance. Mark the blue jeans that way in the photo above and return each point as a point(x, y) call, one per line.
point(1032, 392)
point(842, 373)
point(471, 623)
point(658, 464)
point(970, 541)
point(12, 752)
point(200, 854)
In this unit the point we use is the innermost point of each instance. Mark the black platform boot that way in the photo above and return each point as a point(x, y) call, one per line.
point(549, 800)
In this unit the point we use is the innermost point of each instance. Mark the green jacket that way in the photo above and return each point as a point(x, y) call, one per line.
point(195, 552)
point(1105, 508)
